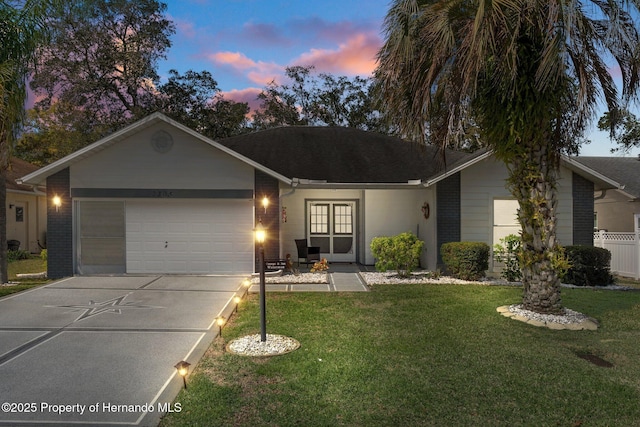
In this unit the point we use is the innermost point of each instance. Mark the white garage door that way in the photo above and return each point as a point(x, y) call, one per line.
point(190, 236)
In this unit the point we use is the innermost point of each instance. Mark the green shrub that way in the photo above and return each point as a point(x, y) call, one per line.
point(589, 266)
point(400, 253)
point(466, 260)
point(560, 262)
point(507, 252)
point(44, 255)
point(17, 255)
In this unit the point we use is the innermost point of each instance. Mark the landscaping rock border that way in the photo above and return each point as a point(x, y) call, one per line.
point(571, 320)
point(251, 345)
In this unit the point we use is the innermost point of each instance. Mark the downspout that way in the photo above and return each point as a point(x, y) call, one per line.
point(602, 195)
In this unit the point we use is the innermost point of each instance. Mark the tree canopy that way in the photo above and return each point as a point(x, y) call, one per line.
point(318, 100)
point(22, 30)
point(103, 58)
point(100, 72)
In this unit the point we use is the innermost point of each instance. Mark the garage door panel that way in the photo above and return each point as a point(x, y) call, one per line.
point(212, 236)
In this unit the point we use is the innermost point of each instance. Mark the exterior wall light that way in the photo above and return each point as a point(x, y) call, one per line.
point(183, 369)
point(265, 203)
point(57, 202)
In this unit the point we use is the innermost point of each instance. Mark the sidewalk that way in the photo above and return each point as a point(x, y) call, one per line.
point(341, 278)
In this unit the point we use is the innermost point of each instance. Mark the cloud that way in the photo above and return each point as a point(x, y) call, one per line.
point(316, 28)
point(356, 56)
point(184, 28)
point(264, 35)
point(258, 72)
point(248, 95)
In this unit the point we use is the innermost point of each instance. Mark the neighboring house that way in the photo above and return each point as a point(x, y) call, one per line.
point(157, 197)
point(617, 210)
point(26, 208)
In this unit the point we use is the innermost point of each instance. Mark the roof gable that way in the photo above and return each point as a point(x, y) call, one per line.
point(625, 170)
point(39, 177)
point(17, 169)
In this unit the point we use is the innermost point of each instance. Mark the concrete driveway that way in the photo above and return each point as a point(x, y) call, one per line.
point(101, 350)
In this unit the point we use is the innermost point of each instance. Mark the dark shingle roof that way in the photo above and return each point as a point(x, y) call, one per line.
point(17, 169)
point(339, 154)
point(625, 170)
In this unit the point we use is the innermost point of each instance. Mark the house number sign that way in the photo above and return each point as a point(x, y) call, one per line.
point(162, 194)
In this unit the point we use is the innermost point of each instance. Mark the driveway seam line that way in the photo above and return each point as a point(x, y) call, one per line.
point(18, 351)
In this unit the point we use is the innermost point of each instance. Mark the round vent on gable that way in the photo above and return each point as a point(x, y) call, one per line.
point(162, 141)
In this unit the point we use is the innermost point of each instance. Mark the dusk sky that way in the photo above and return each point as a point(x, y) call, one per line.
point(245, 44)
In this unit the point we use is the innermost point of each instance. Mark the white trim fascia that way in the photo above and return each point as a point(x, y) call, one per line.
point(570, 163)
point(457, 169)
point(576, 165)
point(36, 178)
point(631, 197)
point(28, 193)
point(302, 183)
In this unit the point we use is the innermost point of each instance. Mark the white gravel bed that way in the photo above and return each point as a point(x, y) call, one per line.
point(391, 278)
point(312, 278)
point(251, 345)
point(568, 317)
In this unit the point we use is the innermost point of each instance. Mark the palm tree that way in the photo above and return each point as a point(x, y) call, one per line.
point(21, 29)
point(529, 73)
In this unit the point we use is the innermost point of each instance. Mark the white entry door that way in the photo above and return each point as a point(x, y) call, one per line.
point(505, 222)
point(331, 225)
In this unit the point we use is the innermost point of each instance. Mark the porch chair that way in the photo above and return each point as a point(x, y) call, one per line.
point(310, 254)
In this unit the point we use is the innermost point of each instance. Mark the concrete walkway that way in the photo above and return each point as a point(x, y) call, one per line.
point(342, 278)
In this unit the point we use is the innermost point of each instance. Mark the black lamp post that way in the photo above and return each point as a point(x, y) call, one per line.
point(260, 237)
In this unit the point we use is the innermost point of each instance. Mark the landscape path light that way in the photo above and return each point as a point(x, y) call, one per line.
point(183, 369)
point(236, 300)
point(220, 320)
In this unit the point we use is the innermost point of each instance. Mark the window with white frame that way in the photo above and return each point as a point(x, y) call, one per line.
point(342, 219)
point(319, 218)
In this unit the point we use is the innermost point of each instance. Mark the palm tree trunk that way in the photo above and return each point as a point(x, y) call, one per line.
point(533, 181)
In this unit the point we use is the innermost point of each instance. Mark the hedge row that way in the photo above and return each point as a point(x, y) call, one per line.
point(466, 260)
point(590, 266)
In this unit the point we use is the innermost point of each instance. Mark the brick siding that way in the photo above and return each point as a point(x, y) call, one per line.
point(448, 212)
point(583, 207)
point(268, 186)
point(59, 227)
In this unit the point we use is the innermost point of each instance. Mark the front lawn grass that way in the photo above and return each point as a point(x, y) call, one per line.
point(31, 265)
point(433, 355)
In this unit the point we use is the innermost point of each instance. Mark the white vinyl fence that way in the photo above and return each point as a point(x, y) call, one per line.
point(625, 251)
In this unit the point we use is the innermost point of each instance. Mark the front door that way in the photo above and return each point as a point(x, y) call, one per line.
point(331, 225)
